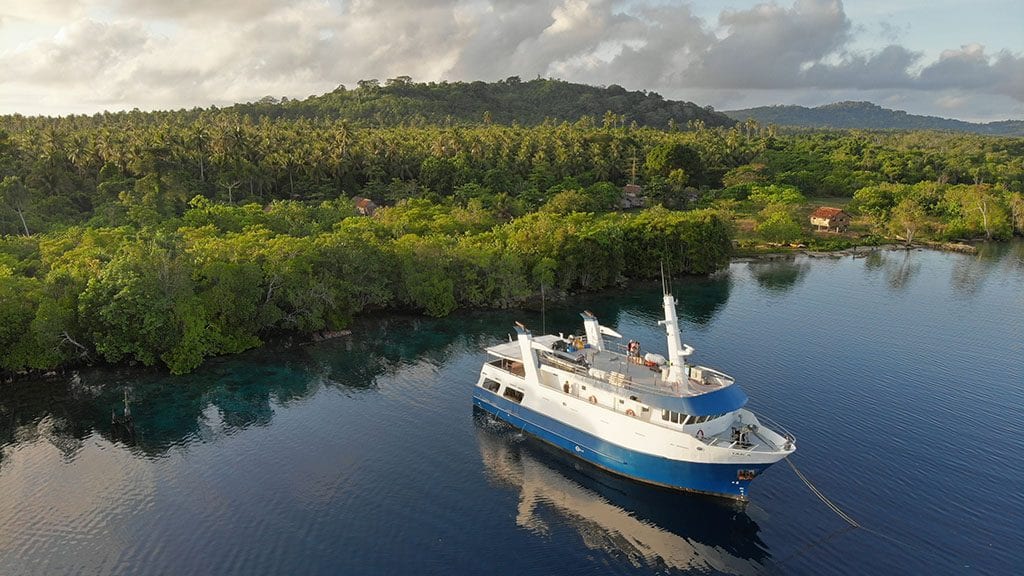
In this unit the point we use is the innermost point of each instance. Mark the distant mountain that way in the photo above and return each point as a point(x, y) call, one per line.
point(869, 116)
point(402, 101)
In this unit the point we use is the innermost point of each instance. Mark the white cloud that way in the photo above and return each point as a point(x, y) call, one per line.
point(969, 68)
point(766, 46)
point(78, 52)
point(43, 10)
point(887, 68)
point(159, 54)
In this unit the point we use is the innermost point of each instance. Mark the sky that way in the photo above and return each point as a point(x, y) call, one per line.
point(949, 58)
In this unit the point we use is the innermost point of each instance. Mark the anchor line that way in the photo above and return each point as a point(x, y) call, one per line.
point(846, 517)
point(852, 524)
point(839, 512)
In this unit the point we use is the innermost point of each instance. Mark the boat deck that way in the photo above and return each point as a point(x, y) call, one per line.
point(616, 369)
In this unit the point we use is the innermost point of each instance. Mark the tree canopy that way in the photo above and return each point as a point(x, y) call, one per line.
point(164, 238)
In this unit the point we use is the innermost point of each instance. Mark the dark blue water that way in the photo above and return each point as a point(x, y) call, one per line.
point(901, 374)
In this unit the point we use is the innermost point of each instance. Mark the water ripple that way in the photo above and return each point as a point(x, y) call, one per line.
point(900, 375)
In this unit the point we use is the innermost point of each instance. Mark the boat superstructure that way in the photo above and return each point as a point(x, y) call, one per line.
point(656, 419)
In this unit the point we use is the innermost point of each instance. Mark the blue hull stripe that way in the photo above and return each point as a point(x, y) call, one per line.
point(718, 479)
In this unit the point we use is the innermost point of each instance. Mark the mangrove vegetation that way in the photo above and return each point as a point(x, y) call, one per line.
point(164, 238)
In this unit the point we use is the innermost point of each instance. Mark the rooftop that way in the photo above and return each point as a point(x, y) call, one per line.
point(826, 212)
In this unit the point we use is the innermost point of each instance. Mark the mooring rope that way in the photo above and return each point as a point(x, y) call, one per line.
point(822, 497)
point(852, 524)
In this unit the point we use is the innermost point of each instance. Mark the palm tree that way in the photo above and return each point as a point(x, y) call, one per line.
point(15, 194)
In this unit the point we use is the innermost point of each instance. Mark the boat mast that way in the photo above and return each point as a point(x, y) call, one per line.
point(677, 352)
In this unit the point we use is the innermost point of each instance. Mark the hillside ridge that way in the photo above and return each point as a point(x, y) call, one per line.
point(400, 100)
point(867, 115)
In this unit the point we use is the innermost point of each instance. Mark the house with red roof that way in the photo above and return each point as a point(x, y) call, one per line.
point(365, 206)
point(827, 219)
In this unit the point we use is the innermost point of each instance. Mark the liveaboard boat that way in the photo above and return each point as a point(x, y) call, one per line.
point(655, 419)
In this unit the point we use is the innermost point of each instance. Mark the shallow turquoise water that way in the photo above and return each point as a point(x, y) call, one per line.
point(901, 374)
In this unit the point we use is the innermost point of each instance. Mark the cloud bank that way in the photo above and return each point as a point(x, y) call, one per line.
point(90, 55)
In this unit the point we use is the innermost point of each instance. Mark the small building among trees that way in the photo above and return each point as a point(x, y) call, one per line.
point(631, 197)
point(365, 206)
point(827, 219)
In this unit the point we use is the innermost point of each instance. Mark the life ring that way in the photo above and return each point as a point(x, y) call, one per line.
point(629, 412)
point(593, 399)
point(700, 434)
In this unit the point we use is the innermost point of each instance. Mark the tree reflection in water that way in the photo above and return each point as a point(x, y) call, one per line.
point(780, 275)
point(700, 299)
point(971, 272)
point(233, 393)
point(899, 270)
point(224, 396)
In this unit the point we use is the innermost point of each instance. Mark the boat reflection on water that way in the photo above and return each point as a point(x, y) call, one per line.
point(648, 525)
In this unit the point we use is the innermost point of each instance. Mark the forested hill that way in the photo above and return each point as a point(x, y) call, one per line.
point(400, 101)
point(171, 237)
point(869, 116)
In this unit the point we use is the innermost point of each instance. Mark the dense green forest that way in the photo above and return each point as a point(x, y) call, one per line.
point(169, 237)
point(400, 101)
point(219, 278)
point(865, 115)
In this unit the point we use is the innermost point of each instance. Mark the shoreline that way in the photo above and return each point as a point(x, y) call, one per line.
point(779, 253)
point(859, 251)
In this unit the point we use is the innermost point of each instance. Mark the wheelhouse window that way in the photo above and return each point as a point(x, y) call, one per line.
point(674, 417)
point(513, 395)
point(491, 385)
point(703, 419)
point(686, 419)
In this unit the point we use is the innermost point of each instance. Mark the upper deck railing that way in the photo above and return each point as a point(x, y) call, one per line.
point(615, 381)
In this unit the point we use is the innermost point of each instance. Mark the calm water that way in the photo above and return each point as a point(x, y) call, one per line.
point(901, 374)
